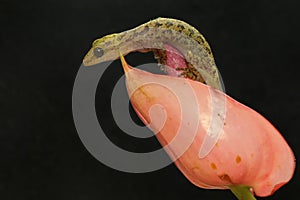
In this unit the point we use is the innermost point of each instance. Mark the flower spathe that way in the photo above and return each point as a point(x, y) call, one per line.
point(250, 151)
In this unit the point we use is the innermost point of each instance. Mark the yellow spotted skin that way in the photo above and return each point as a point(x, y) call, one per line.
point(153, 35)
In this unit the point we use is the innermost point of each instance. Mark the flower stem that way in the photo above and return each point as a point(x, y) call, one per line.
point(242, 192)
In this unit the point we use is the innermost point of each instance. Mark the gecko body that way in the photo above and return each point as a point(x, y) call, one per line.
point(153, 35)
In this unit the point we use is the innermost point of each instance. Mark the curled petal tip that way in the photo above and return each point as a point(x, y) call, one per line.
point(126, 67)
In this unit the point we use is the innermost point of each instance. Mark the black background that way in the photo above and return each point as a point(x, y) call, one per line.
point(256, 47)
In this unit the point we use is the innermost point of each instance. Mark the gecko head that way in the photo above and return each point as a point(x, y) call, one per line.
point(102, 50)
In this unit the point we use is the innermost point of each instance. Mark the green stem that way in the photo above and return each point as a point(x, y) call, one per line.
point(242, 192)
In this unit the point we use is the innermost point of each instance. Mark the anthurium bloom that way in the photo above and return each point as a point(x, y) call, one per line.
point(249, 152)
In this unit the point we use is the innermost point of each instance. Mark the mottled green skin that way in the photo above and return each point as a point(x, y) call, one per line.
point(153, 35)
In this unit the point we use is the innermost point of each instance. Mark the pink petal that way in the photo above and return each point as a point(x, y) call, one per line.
point(174, 60)
point(250, 151)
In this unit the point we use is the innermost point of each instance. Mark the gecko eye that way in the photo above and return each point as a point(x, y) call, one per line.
point(98, 52)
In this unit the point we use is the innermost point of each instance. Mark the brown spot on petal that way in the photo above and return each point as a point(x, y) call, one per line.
point(213, 166)
point(225, 177)
point(238, 159)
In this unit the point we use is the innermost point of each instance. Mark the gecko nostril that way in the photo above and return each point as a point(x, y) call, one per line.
point(98, 52)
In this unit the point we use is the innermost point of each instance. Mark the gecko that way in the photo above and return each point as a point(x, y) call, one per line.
point(152, 36)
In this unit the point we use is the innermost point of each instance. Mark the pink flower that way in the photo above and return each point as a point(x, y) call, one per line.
point(249, 152)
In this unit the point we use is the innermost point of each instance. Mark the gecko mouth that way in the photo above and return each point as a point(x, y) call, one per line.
point(173, 63)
